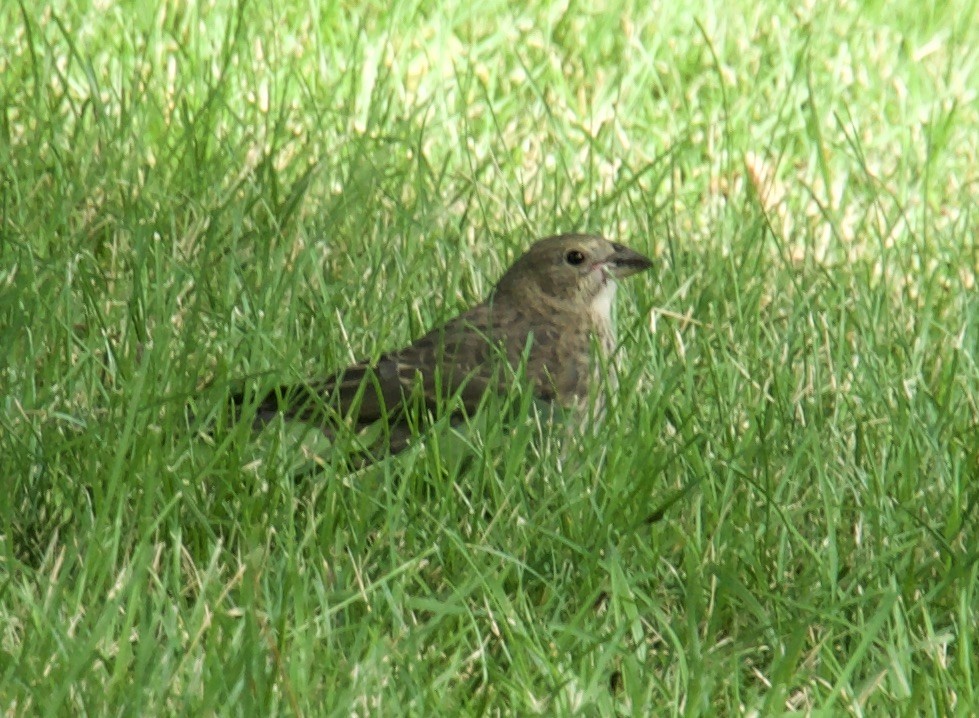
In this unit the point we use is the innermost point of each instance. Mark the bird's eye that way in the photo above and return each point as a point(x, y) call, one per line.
point(574, 257)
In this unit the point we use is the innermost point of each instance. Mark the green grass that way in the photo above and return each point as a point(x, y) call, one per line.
point(780, 513)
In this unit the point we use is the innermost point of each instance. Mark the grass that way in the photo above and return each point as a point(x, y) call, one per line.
point(779, 515)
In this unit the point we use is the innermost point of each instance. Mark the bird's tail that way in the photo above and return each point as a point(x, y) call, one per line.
point(360, 395)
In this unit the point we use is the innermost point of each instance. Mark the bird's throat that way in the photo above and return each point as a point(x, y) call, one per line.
point(601, 305)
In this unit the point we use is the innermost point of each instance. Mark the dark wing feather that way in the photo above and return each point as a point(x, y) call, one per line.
point(456, 358)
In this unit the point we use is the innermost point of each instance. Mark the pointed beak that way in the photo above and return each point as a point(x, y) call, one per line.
point(624, 262)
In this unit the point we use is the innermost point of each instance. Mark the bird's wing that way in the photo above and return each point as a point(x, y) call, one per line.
point(457, 357)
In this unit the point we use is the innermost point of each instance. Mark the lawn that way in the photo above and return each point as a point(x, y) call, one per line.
point(777, 515)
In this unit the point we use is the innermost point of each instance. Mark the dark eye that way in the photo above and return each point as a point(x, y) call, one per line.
point(574, 257)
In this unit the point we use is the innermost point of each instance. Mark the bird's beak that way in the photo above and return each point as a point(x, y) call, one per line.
point(624, 262)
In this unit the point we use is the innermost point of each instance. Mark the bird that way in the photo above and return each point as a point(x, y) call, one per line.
point(541, 323)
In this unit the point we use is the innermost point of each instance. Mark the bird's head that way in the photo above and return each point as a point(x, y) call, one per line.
point(573, 270)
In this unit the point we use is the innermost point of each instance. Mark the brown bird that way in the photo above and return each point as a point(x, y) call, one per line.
point(541, 321)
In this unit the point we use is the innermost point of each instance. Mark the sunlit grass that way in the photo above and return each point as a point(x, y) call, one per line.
point(779, 513)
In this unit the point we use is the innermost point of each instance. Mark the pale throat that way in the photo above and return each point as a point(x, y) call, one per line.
point(601, 316)
point(601, 305)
